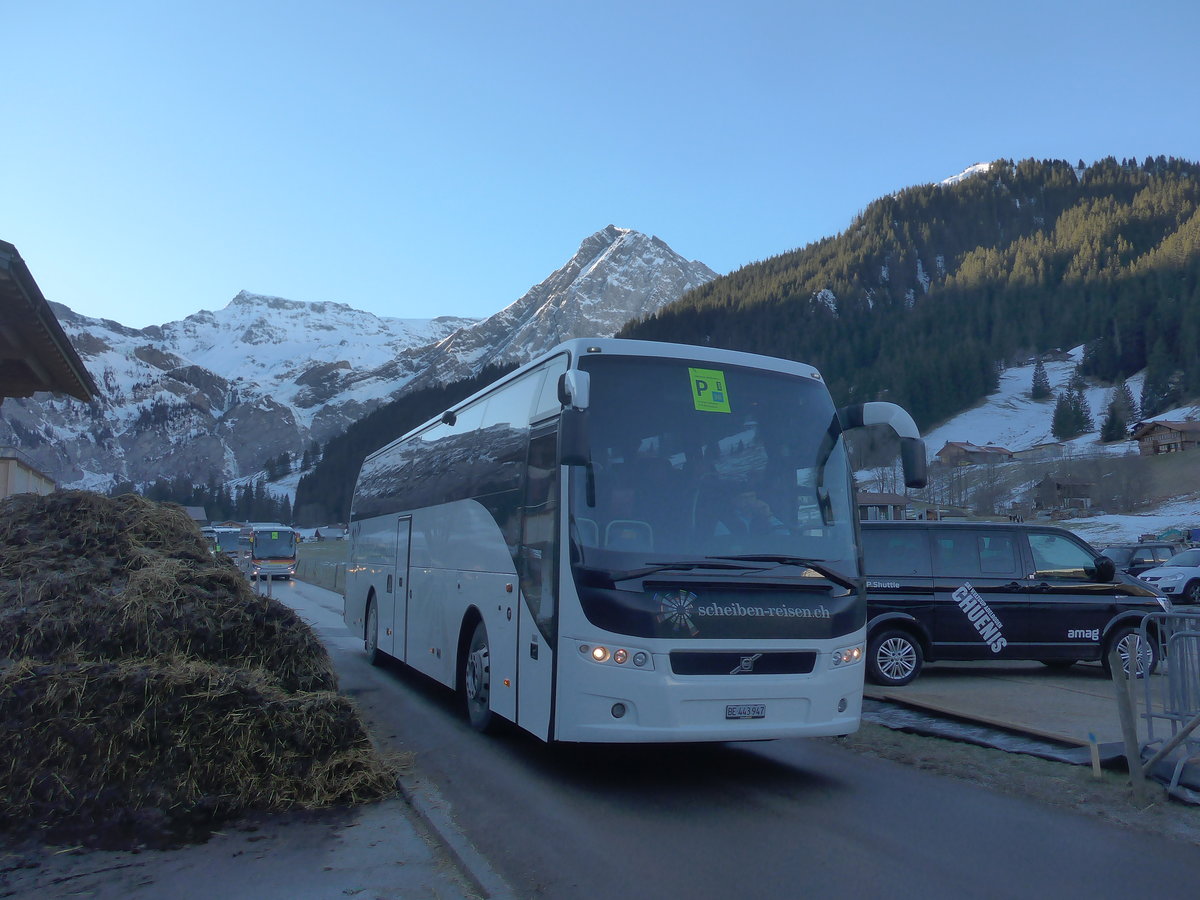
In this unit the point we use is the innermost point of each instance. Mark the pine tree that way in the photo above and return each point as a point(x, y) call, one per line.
point(1156, 389)
point(1063, 420)
point(1081, 413)
point(1121, 413)
point(1117, 415)
point(1041, 383)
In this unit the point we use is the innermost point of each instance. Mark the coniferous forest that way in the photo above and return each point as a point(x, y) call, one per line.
point(931, 290)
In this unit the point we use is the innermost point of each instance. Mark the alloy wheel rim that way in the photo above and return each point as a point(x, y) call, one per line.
point(1131, 648)
point(897, 658)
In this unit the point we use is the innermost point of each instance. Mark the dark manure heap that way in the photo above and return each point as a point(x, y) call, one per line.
point(147, 692)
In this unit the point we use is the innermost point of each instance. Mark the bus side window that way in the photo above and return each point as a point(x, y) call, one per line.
point(539, 533)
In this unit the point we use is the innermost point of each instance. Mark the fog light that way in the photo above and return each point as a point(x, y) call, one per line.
point(620, 656)
point(639, 658)
point(600, 654)
point(618, 710)
point(842, 705)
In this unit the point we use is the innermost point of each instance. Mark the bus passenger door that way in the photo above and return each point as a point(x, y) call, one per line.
point(396, 629)
point(538, 622)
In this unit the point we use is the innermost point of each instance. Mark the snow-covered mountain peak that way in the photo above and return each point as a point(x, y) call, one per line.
point(976, 169)
point(218, 393)
point(615, 276)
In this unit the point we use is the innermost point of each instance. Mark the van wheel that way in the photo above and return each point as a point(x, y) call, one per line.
point(477, 679)
point(1130, 646)
point(371, 633)
point(893, 658)
point(1191, 593)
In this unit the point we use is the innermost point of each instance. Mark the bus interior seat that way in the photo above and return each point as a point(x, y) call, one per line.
point(628, 534)
point(588, 531)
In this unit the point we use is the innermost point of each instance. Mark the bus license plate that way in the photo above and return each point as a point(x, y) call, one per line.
point(746, 711)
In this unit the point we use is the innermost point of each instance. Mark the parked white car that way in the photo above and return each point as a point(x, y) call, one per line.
point(1177, 578)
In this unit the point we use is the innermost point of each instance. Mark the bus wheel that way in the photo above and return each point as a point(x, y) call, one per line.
point(371, 633)
point(1130, 646)
point(477, 680)
point(893, 658)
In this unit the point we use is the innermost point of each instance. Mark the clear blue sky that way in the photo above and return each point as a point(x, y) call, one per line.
point(417, 159)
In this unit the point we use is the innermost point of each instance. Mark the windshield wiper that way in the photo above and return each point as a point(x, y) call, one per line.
point(679, 565)
point(784, 560)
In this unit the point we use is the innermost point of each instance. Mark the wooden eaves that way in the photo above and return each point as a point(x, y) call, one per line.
point(35, 353)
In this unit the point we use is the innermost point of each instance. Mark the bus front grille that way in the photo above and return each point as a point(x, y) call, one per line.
point(700, 662)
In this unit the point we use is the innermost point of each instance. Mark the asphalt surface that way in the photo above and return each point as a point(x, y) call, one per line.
point(411, 847)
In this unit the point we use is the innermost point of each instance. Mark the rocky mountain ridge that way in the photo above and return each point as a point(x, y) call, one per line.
point(216, 395)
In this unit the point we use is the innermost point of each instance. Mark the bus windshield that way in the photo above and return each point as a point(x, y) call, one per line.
point(691, 463)
point(274, 544)
point(227, 539)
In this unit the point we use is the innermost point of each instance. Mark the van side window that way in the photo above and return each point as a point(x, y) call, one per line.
point(971, 554)
point(895, 552)
point(955, 554)
point(1055, 556)
point(997, 554)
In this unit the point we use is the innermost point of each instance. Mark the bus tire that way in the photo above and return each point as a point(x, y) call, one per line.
point(477, 679)
point(894, 658)
point(371, 633)
point(1129, 644)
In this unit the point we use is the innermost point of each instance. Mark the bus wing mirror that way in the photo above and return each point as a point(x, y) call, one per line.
point(574, 389)
point(912, 448)
point(573, 441)
point(912, 459)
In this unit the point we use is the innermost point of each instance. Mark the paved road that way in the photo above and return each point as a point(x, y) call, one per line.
point(777, 819)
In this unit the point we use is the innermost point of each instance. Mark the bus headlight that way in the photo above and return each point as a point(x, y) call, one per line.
point(847, 656)
point(619, 656)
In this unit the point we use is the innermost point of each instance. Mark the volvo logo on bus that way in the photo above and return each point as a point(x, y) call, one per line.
point(746, 664)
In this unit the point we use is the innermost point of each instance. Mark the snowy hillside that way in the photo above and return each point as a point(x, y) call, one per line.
point(1010, 419)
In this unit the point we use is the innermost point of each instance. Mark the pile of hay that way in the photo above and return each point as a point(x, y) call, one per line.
point(146, 691)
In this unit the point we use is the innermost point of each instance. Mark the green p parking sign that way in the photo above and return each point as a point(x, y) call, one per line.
point(708, 390)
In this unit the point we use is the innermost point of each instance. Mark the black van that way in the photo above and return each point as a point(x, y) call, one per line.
point(958, 591)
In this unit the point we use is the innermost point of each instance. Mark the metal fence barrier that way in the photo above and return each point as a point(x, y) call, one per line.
point(1172, 700)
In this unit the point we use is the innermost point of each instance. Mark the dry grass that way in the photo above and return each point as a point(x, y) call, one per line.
point(146, 690)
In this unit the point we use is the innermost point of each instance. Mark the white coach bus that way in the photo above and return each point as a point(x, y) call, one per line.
point(626, 541)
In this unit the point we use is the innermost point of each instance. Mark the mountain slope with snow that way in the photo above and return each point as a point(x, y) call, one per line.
point(1009, 418)
point(217, 395)
point(617, 275)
